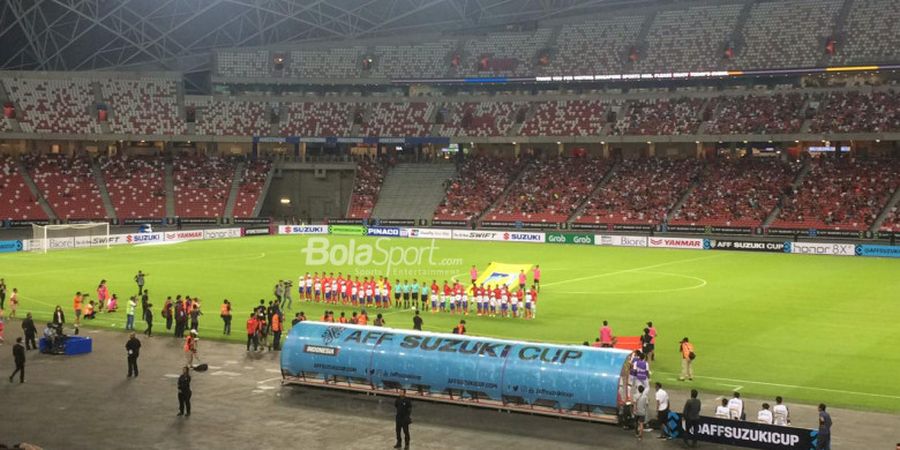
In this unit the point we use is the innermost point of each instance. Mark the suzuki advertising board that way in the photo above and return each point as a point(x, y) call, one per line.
point(515, 236)
point(303, 229)
point(744, 246)
point(675, 243)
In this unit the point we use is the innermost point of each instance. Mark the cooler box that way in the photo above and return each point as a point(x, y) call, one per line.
point(75, 345)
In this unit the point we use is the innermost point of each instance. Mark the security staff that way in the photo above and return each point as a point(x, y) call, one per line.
point(133, 349)
point(30, 332)
point(403, 418)
point(184, 392)
point(19, 357)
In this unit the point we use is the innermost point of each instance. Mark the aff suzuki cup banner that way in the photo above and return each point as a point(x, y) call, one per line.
point(881, 251)
point(746, 434)
point(303, 229)
point(676, 243)
point(815, 248)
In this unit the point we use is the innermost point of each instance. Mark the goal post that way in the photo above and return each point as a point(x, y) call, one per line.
point(76, 235)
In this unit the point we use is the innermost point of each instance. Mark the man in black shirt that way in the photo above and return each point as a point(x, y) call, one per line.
point(133, 348)
point(148, 317)
point(417, 322)
point(19, 357)
point(403, 418)
point(184, 393)
point(30, 332)
point(691, 415)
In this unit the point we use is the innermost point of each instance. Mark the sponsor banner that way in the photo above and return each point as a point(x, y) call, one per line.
point(854, 234)
point(887, 234)
point(222, 233)
point(347, 230)
point(429, 233)
point(620, 241)
point(142, 238)
point(587, 226)
point(10, 246)
point(707, 229)
point(744, 246)
point(477, 235)
point(181, 235)
point(396, 222)
point(251, 221)
point(303, 229)
point(815, 248)
point(745, 433)
point(450, 223)
point(786, 231)
point(260, 231)
point(675, 243)
point(631, 227)
point(27, 223)
point(198, 220)
point(512, 236)
point(514, 224)
point(883, 251)
point(346, 221)
point(383, 231)
point(570, 238)
point(141, 220)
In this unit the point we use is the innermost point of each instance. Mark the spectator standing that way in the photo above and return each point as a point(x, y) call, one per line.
point(641, 404)
point(59, 318)
point(77, 305)
point(30, 332)
point(379, 320)
point(133, 349)
point(287, 299)
point(651, 356)
point(279, 291)
point(252, 331)
point(190, 348)
point(417, 322)
point(277, 328)
point(687, 360)
point(167, 312)
point(195, 317)
point(145, 301)
point(184, 392)
point(537, 277)
point(781, 415)
point(640, 370)
point(646, 344)
point(13, 303)
point(148, 318)
point(139, 280)
point(2, 294)
point(824, 439)
point(403, 418)
point(18, 352)
point(691, 416)
point(461, 327)
point(180, 318)
point(129, 313)
point(225, 313)
point(662, 410)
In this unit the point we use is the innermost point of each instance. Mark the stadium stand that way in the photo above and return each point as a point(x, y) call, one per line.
point(326, 63)
point(773, 38)
point(53, 106)
point(427, 60)
point(318, 118)
point(230, 117)
point(16, 201)
point(136, 185)
point(398, 119)
point(550, 190)
point(660, 117)
point(68, 185)
point(480, 180)
point(848, 112)
point(892, 220)
point(596, 46)
point(641, 191)
point(737, 193)
point(202, 184)
point(507, 53)
point(369, 178)
point(689, 39)
point(145, 106)
point(243, 64)
point(873, 32)
point(252, 180)
point(488, 118)
point(566, 118)
point(758, 114)
point(842, 194)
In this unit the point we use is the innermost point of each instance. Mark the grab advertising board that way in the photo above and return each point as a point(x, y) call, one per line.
point(689, 243)
point(570, 238)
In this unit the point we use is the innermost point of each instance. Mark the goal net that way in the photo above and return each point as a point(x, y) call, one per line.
point(61, 237)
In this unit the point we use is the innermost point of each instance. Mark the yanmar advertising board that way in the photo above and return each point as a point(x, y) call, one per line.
point(303, 229)
point(688, 243)
point(183, 235)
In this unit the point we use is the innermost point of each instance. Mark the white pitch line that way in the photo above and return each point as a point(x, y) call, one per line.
point(636, 269)
point(269, 380)
point(794, 386)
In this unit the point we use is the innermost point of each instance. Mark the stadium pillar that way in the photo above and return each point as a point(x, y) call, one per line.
point(699, 150)
point(605, 150)
point(296, 150)
point(516, 149)
point(560, 149)
point(302, 150)
point(651, 149)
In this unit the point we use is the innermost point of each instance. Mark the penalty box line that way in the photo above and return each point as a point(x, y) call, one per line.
point(635, 269)
point(792, 386)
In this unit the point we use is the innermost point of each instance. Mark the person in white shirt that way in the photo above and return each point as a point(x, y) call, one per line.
point(736, 407)
point(781, 414)
point(764, 415)
point(662, 410)
point(722, 410)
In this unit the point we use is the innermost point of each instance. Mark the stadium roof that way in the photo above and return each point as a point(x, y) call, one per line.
point(178, 34)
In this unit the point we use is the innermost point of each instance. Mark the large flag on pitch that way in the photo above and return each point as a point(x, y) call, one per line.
point(502, 274)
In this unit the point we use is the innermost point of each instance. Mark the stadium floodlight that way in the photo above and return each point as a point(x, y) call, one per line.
point(75, 235)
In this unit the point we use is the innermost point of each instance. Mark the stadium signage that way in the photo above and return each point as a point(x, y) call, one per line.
point(262, 231)
point(883, 251)
point(198, 220)
point(746, 434)
point(620, 241)
point(383, 231)
point(303, 229)
point(346, 222)
point(570, 238)
point(10, 246)
point(450, 223)
point(477, 235)
point(320, 350)
point(396, 222)
point(809, 248)
point(631, 227)
point(522, 237)
point(521, 224)
point(743, 246)
point(675, 243)
point(141, 238)
point(182, 235)
point(430, 233)
point(222, 233)
point(251, 221)
point(347, 230)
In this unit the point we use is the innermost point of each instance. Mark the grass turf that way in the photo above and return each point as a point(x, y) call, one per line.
point(809, 328)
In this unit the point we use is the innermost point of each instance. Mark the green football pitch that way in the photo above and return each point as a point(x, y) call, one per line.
point(809, 328)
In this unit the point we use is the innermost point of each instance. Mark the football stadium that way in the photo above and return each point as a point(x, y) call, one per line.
point(449, 224)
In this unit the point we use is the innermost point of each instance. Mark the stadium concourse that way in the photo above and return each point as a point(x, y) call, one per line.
point(239, 403)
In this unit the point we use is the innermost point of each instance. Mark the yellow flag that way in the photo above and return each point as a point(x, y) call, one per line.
point(498, 274)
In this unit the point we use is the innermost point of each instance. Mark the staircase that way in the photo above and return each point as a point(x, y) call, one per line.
point(580, 209)
point(895, 199)
point(677, 206)
point(777, 210)
point(264, 191)
point(98, 99)
point(505, 192)
point(235, 187)
point(170, 190)
point(35, 191)
point(412, 191)
point(737, 36)
point(104, 193)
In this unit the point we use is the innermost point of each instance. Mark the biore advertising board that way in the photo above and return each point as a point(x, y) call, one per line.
point(746, 434)
point(815, 248)
point(881, 251)
point(743, 246)
point(430, 233)
point(303, 229)
point(688, 243)
point(222, 233)
point(477, 235)
point(515, 236)
point(620, 241)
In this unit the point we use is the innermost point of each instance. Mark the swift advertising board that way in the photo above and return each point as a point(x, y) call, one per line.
point(881, 251)
point(303, 229)
point(815, 248)
point(743, 246)
point(620, 241)
point(689, 243)
point(746, 434)
point(477, 235)
point(430, 233)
